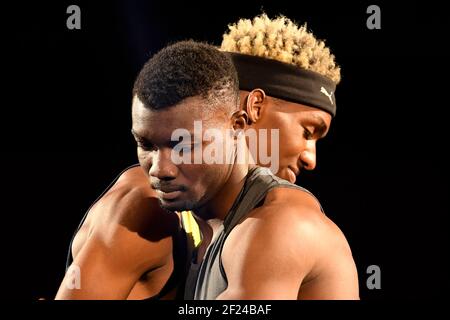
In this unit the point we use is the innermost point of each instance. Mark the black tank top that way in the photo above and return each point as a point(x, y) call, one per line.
point(207, 280)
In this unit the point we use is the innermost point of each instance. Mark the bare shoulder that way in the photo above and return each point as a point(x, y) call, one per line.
point(298, 212)
point(132, 204)
point(125, 236)
point(291, 226)
point(128, 218)
point(289, 242)
point(293, 212)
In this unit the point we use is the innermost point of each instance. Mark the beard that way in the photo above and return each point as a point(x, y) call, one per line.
point(185, 205)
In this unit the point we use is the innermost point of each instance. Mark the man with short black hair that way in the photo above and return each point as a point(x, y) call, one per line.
point(128, 247)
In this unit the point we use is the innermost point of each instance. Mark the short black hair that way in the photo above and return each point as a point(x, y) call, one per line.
point(186, 69)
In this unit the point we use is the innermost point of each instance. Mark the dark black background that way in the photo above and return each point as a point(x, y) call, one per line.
point(382, 174)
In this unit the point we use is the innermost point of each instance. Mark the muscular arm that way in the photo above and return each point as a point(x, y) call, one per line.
point(130, 237)
point(289, 252)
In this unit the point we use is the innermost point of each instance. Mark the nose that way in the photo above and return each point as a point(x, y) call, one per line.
point(308, 155)
point(162, 166)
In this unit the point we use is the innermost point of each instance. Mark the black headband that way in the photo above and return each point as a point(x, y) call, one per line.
point(285, 81)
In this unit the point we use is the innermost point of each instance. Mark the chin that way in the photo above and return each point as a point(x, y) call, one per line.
point(179, 205)
point(286, 175)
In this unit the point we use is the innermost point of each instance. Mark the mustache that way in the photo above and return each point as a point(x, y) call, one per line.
point(167, 186)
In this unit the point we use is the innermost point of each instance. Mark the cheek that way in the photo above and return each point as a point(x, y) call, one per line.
point(291, 138)
point(290, 135)
point(204, 179)
point(196, 181)
point(145, 160)
point(292, 142)
point(292, 145)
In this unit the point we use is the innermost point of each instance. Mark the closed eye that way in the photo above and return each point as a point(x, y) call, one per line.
point(308, 134)
point(145, 145)
point(314, 127)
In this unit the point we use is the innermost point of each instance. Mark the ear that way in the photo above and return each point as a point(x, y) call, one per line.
point(254, 105)
point(239, 120)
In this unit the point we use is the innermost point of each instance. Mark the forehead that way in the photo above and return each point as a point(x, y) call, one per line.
point(147, 122)
point(301, 111)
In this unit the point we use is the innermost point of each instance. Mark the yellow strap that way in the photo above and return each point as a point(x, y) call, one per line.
point(191, 226)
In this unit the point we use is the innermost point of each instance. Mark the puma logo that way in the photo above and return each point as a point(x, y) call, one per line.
point(325, 92)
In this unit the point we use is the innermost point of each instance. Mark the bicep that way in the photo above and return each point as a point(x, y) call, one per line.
point(337, 276)
point(111, 262)
point(262, 262)
point(130, 236)
point(96, 273)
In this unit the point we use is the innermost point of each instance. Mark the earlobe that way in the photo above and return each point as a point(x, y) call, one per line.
point(254, 105)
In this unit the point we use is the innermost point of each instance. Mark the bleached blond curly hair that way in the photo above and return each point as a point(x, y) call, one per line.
point(283, 40)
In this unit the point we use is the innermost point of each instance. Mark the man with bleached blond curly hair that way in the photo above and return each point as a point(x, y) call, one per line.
point(287, 80)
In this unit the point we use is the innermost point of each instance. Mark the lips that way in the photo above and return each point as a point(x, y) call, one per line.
point(295, 170)
point(291, 177)
point(169, 195)
point(169, 189)
point(292, 174)
point(168, 192)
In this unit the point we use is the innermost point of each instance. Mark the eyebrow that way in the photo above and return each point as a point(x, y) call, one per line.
point(138, 137)
point(168, 142)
